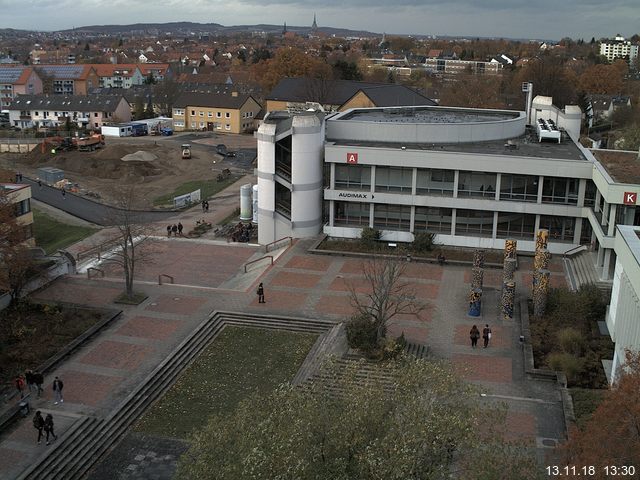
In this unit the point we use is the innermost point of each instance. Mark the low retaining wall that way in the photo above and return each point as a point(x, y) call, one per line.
point(25, 147)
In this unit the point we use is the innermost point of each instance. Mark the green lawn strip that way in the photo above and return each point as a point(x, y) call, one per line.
point(52, 235)
point(208, 188)
point(585, 402)
point(238, 362)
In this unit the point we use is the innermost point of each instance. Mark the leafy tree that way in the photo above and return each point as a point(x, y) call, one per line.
point(388, 294)
point(604, 79)
point(421, 423)
point(260, 54)
point(612, 435)
point(138, 108)
point(290, 62)
point(347, 70)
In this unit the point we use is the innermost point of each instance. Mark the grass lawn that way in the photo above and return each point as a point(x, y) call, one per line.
point(208, 188)
point(238, 362)
point(52, 235)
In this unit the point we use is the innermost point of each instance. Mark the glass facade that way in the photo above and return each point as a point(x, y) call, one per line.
point(590, 194)
point(283, 200)
point(434, 220)
point(560, 190)
point(392, 217)
point(352, 177)
point(351, 214)
point(516, 225)
point(477, 223)
point(561, 229)
point(522, 188)
point(394, 179)
point(283, 158)
point(435, 182)
point(477, 184)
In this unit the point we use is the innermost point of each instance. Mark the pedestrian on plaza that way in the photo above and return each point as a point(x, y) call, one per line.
point(38, 379)
point(168, 230)
point(38, 424)
point(57, 390)
point(260, 293)
point(180, 227)
point(19, 384)
point(48, 427)
point(474, 335)
point(203, 205)
point(174, 230)
point(28, 376)
point(486, 335)
point(40, 183)
point(206, 206)
point(64, 193)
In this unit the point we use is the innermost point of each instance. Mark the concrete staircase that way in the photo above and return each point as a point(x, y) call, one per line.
point(90, 438)
point(580, 270)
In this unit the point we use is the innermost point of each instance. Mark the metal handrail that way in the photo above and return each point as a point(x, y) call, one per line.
point(99, 270)
point(257, 260)
point(164, 275)
point(572, 250)
point(97, 249)
point(266, 247)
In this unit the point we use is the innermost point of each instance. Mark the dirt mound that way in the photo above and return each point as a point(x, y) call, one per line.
point(140, 156)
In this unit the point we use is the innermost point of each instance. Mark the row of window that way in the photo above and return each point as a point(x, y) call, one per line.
point(523, 188)
point(439, 220)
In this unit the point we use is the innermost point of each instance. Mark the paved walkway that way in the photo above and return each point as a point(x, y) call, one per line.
point(300, 284)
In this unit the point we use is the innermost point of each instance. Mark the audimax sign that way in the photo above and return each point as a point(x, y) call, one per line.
point(363, 196)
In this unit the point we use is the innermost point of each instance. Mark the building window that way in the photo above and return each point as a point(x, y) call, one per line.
point(351, 214)
point(560, 228)
point(435, 182)
point(227, 115)
point(227, 127)
point(283, 200)
point(209, 114)
point(178, 124)
point(433, 220)
point(477, 184)
point(516, 225)
point(22, 208)
point(201, 114)
point(523, 188)
point(353, 177)
point(394, 179)
point(201, 124)
point(179, 112)
point(193, 113)
point(477, 223)
point(560, 190)
point(590, 194)
point(392, 217)
point(218, 115)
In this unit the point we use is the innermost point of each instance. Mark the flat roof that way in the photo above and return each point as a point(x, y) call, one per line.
point(523, 146)
point(622, 166)
point(426, 114)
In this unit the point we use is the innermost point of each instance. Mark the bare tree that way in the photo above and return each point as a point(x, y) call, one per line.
point(131, 235)
point(387, 295)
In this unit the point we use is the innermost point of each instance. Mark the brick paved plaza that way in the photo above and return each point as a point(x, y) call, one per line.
point(299, 284)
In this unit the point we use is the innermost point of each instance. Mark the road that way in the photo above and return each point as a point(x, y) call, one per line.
point(86, 209)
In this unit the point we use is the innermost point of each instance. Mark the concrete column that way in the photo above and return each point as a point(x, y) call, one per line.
point(456, 178)
point(494, 230)
point(577, 231)
point(332, 213)
point(540, 185)
point(582, 189)
point(453, 219)
point(605, 214)
point(596, 204)
point(332, 178)
point(414, 181)
point(373, 179)
point(412, 221)
point(600, 257)
point(371, 212)
point(498, 186)
point(606, 264)
point(612, 219)
point(537, 224)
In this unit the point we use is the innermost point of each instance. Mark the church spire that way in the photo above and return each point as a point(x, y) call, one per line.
point(284, 29)
point(314, 25)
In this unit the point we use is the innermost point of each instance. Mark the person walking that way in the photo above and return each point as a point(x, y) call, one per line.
point(40, 183)
point(57, 390)
point(48, 427)
point(474, 335)
point(168, 230)
point(38, 379)
point(28, 376)
point(19, 384)
point(203, 205)
point(38, 424)
point(64, 193)
point(486, 335)
point(260, 293)
point(206, 206)
point(180, 227)
point(174, 230)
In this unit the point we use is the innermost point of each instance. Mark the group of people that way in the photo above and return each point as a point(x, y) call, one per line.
point(45, 424)
point(474, 335)
point(175, 229)
point(205, 206)
point(242, 232)
point(31, 381)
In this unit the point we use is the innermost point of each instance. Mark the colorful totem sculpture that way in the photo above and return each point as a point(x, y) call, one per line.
point(541, 293)
point(477, 277)
point(478, 259)
point(508, 279)
point(540, 286)
point(510, 248)
point(508, 298)
point(475, 302)
point(509, 269)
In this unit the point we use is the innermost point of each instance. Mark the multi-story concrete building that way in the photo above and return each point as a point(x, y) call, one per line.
point(68, 79)
point(455, 65)
point(119, 76)
point(17, 80)
point(619, 47)
point(19, 196)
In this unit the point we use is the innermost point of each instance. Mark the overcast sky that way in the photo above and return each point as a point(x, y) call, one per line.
point(548, 19)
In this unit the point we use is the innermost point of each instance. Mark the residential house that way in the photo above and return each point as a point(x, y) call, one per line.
point(159, 71)
point(601, 107)
point(19, 196)
point(619, 47)
point(118, 76)
point(229, 113)
point(68, 79)
point(17, 80)
point(91, 112)
point(298, 94)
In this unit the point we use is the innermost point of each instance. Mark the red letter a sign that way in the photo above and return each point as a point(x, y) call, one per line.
point(352, 158)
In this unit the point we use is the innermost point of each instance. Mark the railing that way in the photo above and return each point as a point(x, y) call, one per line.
point(257, 260)
point(90, 269)
point(573, 250)
point(266, 247)
point(164, 275)
point(97, 249)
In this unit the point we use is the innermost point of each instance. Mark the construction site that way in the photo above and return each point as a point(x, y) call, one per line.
point(157, 166)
